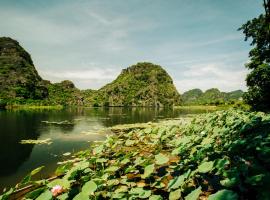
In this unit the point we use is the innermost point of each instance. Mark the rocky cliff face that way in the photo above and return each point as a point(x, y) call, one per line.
point(18, 76)
point(143, 84)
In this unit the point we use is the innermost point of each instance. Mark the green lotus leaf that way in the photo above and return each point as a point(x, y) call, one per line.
point(149, 169)
point(34, 194)
point(161, 159)
point(101, 160)
point(130, 142)
point(175, 195)
point(125, 161)
point(229, 182)
point(194, 195)
point(155, 197)
point(47, 195)
point(176, 182)
point(140, 192)
point(112, 182)
point(98, 149)
point(63, 196)
point(223, 195)
point(205, 167)
point(89, 188)
point(62, 182)
point(112, 169)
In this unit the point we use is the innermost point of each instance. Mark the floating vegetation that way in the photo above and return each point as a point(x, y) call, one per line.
point(90, 133)
point(67, 154)
point(47, 141)
point(129, 127)
point(221, 155)
point(66, 122)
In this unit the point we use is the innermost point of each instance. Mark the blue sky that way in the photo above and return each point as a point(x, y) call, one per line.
point(89, 42)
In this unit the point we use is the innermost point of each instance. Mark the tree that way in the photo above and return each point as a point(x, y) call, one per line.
point(258, 80)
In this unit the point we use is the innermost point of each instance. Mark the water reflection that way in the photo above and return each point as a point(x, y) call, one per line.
point(14, 128)
point(17, 159)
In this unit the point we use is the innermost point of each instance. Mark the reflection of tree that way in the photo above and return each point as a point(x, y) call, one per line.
point(16, 126)
point(64, 115)
point(122, 115)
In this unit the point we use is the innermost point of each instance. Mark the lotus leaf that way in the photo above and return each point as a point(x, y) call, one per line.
point(194, 195)
point(161, 159)
point(223, 195)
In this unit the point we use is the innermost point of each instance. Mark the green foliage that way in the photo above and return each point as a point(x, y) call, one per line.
point(211, 97)
point(258, 80)
point(161, 159)
point(64, 93)
point(194, 194)
point(224, 195)
point(143, 84)
point(47, 195)
point(18, 76)
point(221, 155)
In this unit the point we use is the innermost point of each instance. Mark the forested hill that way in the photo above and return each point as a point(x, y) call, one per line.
point(211, 97)
point(18, 76)
point(143, 84)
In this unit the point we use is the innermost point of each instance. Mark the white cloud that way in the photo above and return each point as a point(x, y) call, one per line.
point(85, 79)
point(89, 41)
point(212, 75)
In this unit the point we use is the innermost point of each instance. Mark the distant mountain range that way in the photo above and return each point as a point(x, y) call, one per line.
point(143, 84)
point(211, 97)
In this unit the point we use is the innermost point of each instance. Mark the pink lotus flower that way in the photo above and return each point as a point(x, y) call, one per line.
point(56, 190)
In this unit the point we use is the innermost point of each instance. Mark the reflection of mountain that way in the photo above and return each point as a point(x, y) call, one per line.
point(118, 115)
point(14, 128)
point(62, 116)
point(21, 125)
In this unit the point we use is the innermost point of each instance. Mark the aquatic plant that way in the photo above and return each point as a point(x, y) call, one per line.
point(44, 141)
point(221, 155)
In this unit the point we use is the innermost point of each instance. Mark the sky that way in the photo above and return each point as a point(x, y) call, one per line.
point(90, 41)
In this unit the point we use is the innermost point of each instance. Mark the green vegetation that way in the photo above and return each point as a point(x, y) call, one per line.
point(19, 79)
point(258, 80)
point(211, 97)
point(221, 155)
point(64, 93)
point(143, 84)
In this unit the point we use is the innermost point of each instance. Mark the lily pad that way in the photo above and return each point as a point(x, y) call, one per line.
point(161, 159)
point(67, 154)
point(205, 167)
point(47, 195)
point(130, 142)
point(155, 197)
point(149, 169)
point(176, 182)
point(140, 193)
point(175, 195)
point(62, 182)
point(47, 141)
point(89, 188)
point(194, 195)
point(223, 195)
point(112, 169)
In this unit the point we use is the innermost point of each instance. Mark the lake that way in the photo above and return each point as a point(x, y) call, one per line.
point(17, 159)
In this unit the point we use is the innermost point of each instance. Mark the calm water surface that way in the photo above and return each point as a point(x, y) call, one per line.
point(17, 160)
